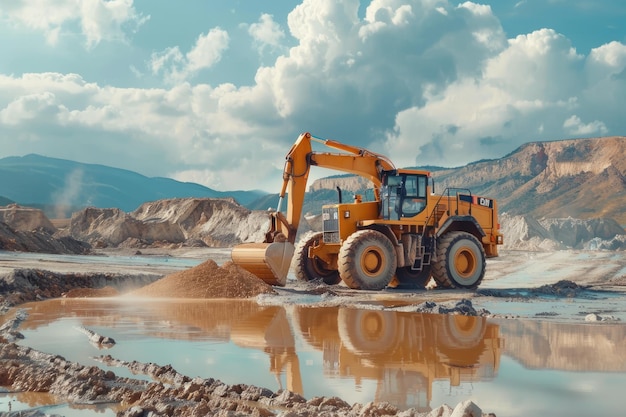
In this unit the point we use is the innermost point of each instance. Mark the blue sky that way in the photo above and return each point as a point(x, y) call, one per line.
point(215, 92)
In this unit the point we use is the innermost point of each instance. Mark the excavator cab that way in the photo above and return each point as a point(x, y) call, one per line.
point(403, 195)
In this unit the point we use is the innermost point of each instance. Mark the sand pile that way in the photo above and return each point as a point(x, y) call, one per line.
point(91, 292)
point(207, 280)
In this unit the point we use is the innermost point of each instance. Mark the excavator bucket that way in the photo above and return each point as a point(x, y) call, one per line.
point(268, 261)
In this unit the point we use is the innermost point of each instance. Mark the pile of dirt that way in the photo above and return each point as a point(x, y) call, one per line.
point(207, 280)
point(91, 292)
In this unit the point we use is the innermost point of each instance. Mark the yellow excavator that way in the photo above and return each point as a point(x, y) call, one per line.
point(401, 238)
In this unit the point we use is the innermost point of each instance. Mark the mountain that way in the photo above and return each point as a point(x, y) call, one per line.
point(579, 178)
point(61, 186)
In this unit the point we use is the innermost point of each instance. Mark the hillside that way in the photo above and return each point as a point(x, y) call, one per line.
point(579, 178)
point(60, 186)
point(178, 221)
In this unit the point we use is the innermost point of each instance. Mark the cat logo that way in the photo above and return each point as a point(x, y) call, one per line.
point(485, 202)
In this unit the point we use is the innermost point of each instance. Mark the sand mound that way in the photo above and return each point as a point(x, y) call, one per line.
point(91, 292)
point(207, 280)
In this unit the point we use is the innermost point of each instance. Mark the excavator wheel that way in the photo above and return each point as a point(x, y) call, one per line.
point(308, 269)
point(408, 279)
point(368, 332)
point(367, 260)
point(460, 261)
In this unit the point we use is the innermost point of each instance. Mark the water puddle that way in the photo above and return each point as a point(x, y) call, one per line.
point(360, 355)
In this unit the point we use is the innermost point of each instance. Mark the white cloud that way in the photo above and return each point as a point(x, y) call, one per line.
point(576, 127)
point(526, 89)
point(27, 108)
point(266, 33)
point(98, 19)
point(206, 52)
point(424, 82)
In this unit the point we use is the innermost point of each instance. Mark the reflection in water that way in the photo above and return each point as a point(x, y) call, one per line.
point(568, 347)
point(403, 352)
point(357, 354)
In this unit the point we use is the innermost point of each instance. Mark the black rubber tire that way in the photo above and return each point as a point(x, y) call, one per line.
point(368, 332)
point(308, 269)
point(409, 279)
point(460, 261)
point(367, 260)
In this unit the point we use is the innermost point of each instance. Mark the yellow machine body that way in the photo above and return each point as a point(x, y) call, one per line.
point(400, 237)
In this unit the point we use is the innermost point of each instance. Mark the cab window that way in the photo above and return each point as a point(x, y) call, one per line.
point(414, 195)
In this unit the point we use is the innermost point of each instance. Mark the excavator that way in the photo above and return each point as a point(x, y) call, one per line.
point(402, 238)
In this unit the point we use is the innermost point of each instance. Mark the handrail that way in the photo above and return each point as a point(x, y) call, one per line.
point(447, 193)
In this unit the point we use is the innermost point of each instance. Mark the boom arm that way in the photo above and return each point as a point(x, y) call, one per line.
point(271, 259)
point(298, 162)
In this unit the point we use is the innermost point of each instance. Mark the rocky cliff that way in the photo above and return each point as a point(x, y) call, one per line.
point(179, 221)
point(527, 233)
point(25, 219)
point(25, 229)
point(580, 178)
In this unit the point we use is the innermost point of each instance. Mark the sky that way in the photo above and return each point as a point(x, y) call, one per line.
point(216, 92)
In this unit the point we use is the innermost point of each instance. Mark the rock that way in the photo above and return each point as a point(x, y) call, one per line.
point(462, 307)
point(26, 219)
point(288, 398)
point(467, 409)
point(8, 330)
point(562, 288)
point(442, 411)
point(39, 240)
point(331, 403)
point(252, 393)
point(591, 317)
point(97, 340)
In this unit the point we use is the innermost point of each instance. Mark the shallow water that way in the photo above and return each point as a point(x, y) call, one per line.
point(361, 355)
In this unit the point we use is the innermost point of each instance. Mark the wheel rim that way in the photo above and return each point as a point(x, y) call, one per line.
point(372, 261)
point(371, 326)
point(462, 332)
point(465, 262)
point(368, 332)
point(367, 260)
